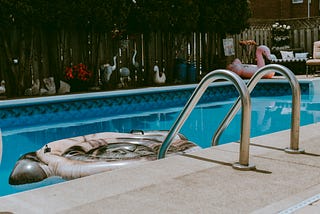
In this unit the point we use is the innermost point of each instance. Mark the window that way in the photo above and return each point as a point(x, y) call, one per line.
point(297, 1)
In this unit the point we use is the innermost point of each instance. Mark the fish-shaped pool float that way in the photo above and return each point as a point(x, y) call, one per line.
point(90, 154)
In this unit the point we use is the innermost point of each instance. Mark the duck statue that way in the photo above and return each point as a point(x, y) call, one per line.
point(159, 77)
point(247, 70)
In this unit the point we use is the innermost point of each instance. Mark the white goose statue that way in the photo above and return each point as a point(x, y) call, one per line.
point(159, 77)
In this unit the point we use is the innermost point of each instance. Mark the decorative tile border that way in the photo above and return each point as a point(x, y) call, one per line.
point(57, 109)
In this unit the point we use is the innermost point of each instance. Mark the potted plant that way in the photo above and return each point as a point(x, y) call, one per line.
point(280, 37)
point(78, 77)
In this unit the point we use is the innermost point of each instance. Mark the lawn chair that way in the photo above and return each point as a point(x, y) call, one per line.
point(315, 61)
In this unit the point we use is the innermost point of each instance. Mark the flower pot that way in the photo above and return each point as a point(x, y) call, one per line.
point(78, 86)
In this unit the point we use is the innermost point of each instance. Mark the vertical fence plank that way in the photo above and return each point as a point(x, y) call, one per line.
point(295, 38)
point(304, 37)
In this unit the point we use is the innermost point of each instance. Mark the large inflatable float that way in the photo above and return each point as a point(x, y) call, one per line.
point(90, 154)
point(248, 70)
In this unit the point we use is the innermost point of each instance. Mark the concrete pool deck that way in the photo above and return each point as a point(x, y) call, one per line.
point(201, 182)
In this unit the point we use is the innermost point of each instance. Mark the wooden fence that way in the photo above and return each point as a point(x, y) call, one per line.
point(30, 54)
point(303, 33)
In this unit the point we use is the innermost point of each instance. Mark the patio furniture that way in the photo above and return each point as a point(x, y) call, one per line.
point(294, 59)
point(315, 61)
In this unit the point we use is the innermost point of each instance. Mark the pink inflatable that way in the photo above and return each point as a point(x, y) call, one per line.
point(247, 70)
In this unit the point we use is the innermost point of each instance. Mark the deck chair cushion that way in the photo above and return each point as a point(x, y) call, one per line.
point(316, 50)
point(301, 55)
point(287, 55)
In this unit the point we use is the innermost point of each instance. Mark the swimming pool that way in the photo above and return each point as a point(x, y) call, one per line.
point(44, 120)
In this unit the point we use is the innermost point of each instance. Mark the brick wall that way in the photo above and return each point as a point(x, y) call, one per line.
point(282, 9)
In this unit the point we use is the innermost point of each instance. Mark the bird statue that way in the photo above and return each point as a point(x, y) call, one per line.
point(50, 87)
point(134, 62)
point(247, 70)
point(136, 67)
point(159, 77)
point(34, 90)
point(107, 70)
point(64, 88)
point(124, 76)
point(3, 87)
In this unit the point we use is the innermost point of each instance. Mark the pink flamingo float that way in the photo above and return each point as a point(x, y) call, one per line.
point(247, 70)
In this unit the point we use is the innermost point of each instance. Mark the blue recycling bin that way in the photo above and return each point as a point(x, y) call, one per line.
point(181, 71)
point(191, 73)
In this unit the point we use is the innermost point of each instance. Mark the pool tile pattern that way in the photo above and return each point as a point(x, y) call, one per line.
point(30, 114)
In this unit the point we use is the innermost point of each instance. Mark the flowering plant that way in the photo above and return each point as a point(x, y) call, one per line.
point(248, 50)
point(247, 42)
point(78, 72)
point(280, 36)
point(280, 28)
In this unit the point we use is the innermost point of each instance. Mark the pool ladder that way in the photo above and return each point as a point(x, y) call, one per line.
point(0, 146)
point(296, 99)
point(244, 91)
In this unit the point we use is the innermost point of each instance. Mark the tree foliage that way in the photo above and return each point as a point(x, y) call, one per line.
point(164, 15)
point(224, 16)
point(47, 35)
point(135, 16)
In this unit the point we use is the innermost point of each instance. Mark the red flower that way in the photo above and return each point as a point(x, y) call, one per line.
point(79, 72)
point(247, 42)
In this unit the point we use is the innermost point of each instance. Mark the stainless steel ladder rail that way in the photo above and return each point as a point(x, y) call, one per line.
point(243, 163)
point(1, 148)
point(296, 99)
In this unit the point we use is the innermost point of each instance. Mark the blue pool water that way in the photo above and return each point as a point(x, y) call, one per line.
point(267, 112)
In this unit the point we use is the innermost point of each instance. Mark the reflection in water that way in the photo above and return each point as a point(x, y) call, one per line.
point(268, 115)
point(0, 146)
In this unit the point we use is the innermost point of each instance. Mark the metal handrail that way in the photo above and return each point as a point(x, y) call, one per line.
point(296, 99)
point(243, 163)
point(0, 146)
